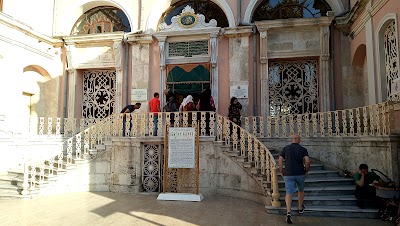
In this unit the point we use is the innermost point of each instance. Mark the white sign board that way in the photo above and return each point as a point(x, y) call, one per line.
point(240, 91)
point(181, 147)
point(139, 95)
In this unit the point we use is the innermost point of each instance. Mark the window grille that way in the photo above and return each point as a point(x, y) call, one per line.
point(391, 59)
point(99, 89)
point(293, 87)
point(188, 49)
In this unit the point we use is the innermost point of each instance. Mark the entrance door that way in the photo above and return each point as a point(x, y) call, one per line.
point(188, 79)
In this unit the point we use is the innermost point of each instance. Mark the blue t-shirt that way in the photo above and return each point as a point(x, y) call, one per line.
point(294, 155)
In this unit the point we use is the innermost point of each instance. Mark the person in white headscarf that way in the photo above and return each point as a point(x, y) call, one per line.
point(187, 104)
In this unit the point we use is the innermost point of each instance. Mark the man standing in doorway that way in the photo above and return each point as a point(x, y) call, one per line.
point(154, 105)
point(295, 173)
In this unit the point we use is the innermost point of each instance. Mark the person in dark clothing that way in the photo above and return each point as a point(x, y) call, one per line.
point(234, 111)
point(128, 109)
point(295, 173)
point(170, 106)
point(365, 186)
point(206, 103)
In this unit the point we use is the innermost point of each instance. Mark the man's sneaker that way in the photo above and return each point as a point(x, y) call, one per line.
point(289, 219)
point(301, 211)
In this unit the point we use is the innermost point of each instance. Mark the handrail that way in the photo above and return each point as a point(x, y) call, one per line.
point(372, 120)
point(255, 151)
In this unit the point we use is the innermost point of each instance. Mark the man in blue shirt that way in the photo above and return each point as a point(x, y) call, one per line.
point(295, 173)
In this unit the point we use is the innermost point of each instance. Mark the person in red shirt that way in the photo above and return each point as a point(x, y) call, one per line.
point(154, 105)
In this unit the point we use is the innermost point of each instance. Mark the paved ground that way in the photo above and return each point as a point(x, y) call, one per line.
point(105, 208)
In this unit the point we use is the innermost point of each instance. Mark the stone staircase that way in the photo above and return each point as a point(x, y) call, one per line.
point(327, 193)
point(11, 184)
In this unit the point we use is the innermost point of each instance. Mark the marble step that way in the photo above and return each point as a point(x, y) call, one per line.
point(327, 211)
point(319, 182)
point(332, 200)
point(327, 191)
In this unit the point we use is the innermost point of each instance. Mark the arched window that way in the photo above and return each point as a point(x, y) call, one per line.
point(101, 20)
point(391, 61)
point(285, 9)
point(206, 7)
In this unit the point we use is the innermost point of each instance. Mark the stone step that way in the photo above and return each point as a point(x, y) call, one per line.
point(6, 180)
point(319, 182)
point(6, 196)
point(319, 174)
point(332, 200)
point(327, 211)
point(331, 190)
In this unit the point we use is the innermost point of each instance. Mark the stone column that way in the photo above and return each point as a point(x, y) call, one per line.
point(71, 92)
point(214, 68)
point(239, 61)
point(264, 74)
point(118, 52)
point(324, 83)
point(140, 53)
point(163, 75)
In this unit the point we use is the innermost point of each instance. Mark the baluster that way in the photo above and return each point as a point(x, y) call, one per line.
point(86, 140)
point(41, 126)
point(60, 157)
point(78, 146)
point(69, 151)
point(261, 119)
point(203, 124)
point(212, 120)
point(176, 119)
point(378, 120)
point(268, 165)
point(234, 136)
point(371, 120)
point(160, 124)
point(58, 126)
point(277, 134)
point(254, 124)
point(246, 124)
point(314, 123)
point(330, 132)
point(33, 176)
point(25, 183)
point(168, 119)
point(344, 122)
point(194, 119)
point(384, 113)
point(269, 126)
point(284, 132)
point(41, 172)
point(219, 127)
point(51, 166)
point(351, 121)
point(337, 129)
point(227, 132)
point(49, 126)
point(256, 155)
point(299, 125)
point(135, 124)
point(291, 124)
point(249, 147)
point(322, 123)
point(151, 124)
point(242, 143)
point(365, 120)
point(73, 121)
point(358, 121)
point(307, 125)
point(262, 159)
point(143, 120)
point(185, 119)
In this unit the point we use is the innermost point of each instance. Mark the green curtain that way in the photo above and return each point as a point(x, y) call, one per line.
point(182, 82)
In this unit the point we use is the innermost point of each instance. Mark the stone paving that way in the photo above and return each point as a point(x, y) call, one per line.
point(105, 208)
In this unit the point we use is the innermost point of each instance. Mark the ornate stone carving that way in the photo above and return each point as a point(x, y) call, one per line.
point(117, 49)
point(188, 19)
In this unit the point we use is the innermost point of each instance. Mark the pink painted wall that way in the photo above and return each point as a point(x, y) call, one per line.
point(392, 6)
point(223, 76)
point(154, 70)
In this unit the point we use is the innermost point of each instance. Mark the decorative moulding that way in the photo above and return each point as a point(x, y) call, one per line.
point(94, 39)
point(286, 23)
point(187, 19)
point(237, 32)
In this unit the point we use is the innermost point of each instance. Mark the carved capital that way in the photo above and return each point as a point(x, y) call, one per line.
point(263, 34)
point(263, 60)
